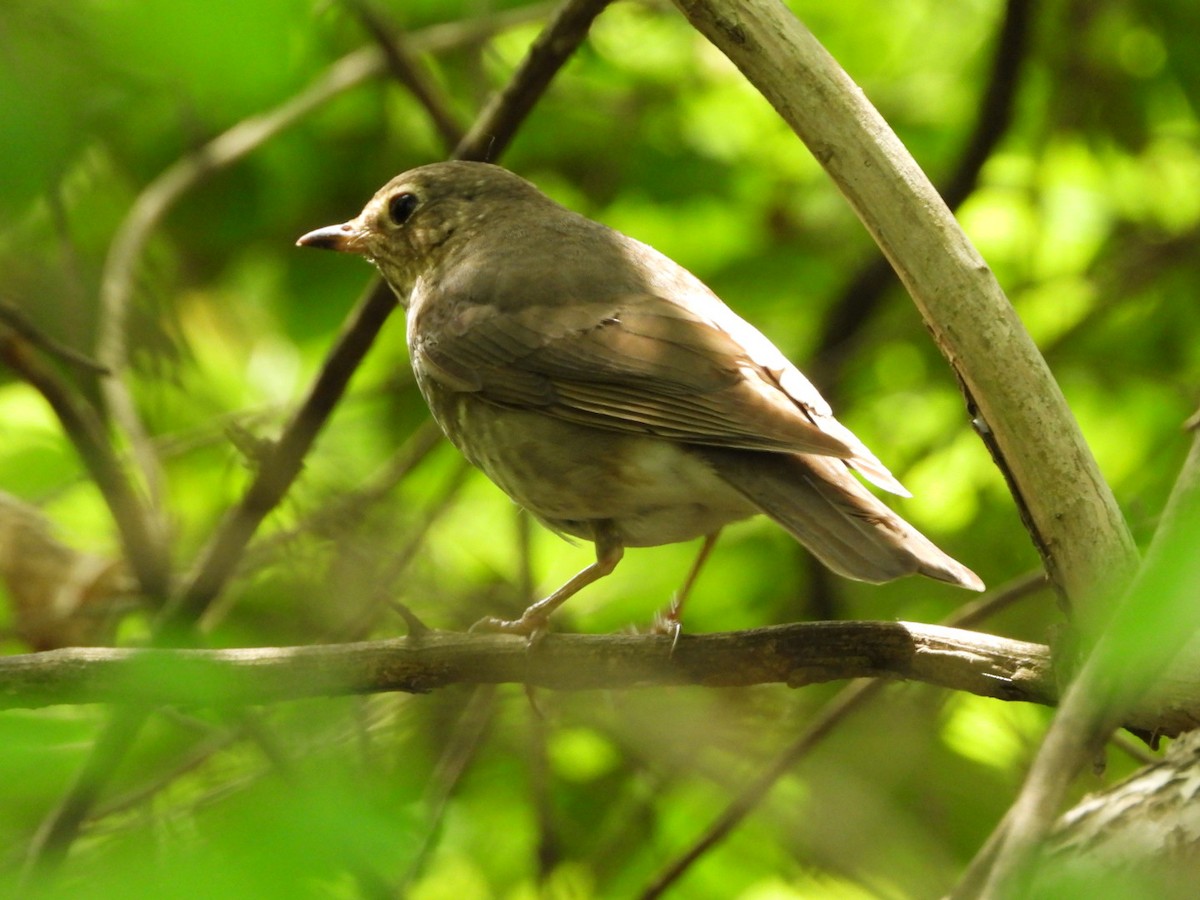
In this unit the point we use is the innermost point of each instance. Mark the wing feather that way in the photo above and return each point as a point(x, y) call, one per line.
point(643, 364)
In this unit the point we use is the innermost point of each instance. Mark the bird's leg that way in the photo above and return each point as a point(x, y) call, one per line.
point(668, 622)
point(534, 620)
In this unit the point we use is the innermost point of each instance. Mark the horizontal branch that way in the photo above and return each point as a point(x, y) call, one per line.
point(796, 655)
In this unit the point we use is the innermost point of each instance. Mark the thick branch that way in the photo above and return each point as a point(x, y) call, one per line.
point(1151, 640)
point(1073, 517)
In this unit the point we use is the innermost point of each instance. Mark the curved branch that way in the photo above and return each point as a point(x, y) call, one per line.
point(142, 544)
point(1020, 411)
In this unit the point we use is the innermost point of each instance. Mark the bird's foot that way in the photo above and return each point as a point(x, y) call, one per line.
point(533, 626)
point(667, 623)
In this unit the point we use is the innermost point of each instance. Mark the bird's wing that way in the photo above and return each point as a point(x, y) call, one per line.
point(642, 364)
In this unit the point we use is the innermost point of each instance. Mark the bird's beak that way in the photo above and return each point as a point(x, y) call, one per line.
point(345, 238)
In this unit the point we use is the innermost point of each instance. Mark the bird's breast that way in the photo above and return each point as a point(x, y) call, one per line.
point(652, 491)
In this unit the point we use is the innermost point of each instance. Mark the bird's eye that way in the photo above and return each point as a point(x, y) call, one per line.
point(401, 206)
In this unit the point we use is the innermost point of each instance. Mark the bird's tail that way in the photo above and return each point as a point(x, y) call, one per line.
point(830, 512)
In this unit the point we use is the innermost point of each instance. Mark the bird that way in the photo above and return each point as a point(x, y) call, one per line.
point(609, 392)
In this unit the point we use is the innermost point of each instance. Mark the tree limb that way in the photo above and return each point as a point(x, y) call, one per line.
point(796, 655)
point(1071, 513)
point(1149, 642)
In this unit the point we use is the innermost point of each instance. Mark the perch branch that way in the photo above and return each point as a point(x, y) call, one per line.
point(796, 655)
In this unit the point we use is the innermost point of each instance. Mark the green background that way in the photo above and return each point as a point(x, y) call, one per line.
point(1087, 208)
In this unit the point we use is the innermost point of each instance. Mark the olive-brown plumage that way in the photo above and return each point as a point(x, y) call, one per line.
point(608, 391)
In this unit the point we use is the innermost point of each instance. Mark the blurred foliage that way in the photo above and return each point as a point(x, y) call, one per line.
point(1088, 210)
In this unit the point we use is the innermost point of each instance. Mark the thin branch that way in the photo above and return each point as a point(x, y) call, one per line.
point(1074, 519)
point(402, 62)
point(332, 515)
point(143, 547)
point(495, 126)
point(279, 468)
point(11, 315)
point(54, 836)
point(459, 752)
point(388, 574)
point(851, 698)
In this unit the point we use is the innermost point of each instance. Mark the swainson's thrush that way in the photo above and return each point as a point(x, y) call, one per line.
point(606, 390)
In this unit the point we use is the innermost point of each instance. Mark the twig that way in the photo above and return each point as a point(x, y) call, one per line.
point(495, 126)
point(11, 315)
point(354, 504)
point(57, 831)
point(280, 467)
point(143, 547)
point(460, 750)
point(850, 698)
point(389, 573)
point(407, 70)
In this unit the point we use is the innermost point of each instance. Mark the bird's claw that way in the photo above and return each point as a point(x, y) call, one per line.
point(667, 623)
point(533, 628)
